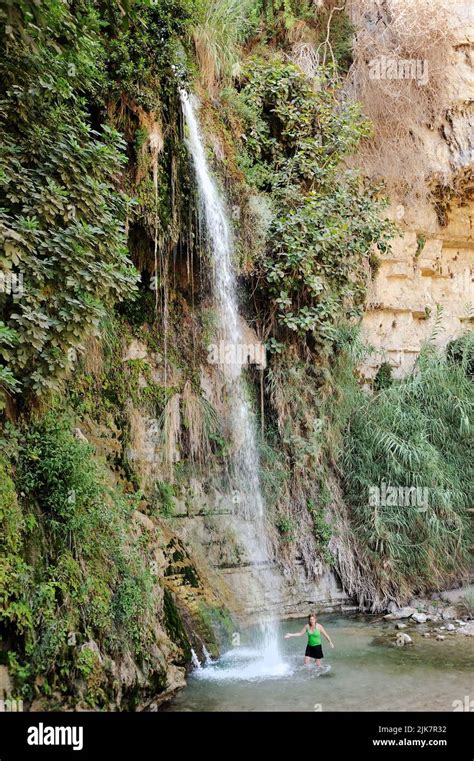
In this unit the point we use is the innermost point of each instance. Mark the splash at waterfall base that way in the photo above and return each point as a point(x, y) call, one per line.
point(368, 672)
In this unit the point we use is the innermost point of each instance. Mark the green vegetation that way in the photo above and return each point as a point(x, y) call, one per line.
point(325, 222)
point(75, 568)
point(99, 215)
point(417, 433)
point(163, 498)
point(62, 216)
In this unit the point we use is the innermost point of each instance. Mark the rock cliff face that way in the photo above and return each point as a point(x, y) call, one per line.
point(430, 267)
point(423, 287)
point(203, 521)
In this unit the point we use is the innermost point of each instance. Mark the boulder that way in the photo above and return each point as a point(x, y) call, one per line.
point(400, 613)
point(449, 613)
point(419, 618)
point(403, 639)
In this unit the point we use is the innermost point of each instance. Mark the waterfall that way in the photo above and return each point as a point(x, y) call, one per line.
point(245, 456)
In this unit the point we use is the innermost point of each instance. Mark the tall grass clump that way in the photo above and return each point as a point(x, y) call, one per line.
point(417, 432)
point(222, 27)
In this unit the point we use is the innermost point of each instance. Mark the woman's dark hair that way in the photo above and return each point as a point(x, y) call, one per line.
point(312, 615)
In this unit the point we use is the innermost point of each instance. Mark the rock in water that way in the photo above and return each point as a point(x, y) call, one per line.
point(419, 618)
point(403, 639)
point(400, 613)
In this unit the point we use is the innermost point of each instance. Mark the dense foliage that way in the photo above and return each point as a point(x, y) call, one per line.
point(62, 216)
point(413, 434)
point(73, 572)
point(325, 223)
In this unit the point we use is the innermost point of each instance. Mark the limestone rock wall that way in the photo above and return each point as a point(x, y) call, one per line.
point(430, 268)
point(424, 288)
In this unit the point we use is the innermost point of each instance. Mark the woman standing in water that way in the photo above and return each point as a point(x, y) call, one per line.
point(314, 631)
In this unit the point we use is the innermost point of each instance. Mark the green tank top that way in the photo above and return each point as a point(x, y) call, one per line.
point(314, 638)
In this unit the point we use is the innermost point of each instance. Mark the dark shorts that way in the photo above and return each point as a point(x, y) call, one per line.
point(314, 652)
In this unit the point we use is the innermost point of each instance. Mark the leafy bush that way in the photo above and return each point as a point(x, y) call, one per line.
point(317, 261)
point(62, 216)
point(84, 572)
point(142, 53)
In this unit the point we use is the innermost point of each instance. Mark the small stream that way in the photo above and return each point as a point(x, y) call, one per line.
point(363, 676)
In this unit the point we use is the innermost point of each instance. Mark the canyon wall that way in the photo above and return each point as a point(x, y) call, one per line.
point(427, 278)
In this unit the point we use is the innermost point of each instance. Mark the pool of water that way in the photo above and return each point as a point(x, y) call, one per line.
point(361, 673)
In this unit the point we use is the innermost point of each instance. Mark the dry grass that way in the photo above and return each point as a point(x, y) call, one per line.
point(93, 359)
point(217, 37)
point(372, 591)
point(306, 52)
point(400, 109)
point(187, 424)
point(199, 419)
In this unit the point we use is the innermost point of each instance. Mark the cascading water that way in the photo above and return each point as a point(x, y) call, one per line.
point(245, 459)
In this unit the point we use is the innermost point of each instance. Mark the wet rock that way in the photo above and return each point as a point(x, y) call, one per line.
point(401, 626)
point(93, 647)
point(400, 613)
point(440, 637)
point(451, 628)
point(467, 630)
point(135, 350)
point(403, 639)
point(419, 618)
point(5, 683)
point(426, 634)
point(144, 520)
point(449, 613)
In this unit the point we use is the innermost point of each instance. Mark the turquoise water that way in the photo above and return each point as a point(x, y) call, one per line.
point(363, 675)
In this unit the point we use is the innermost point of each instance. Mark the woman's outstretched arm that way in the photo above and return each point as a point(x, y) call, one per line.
point(297, 634)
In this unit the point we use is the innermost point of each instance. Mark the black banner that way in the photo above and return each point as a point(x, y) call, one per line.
point(135, 736)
